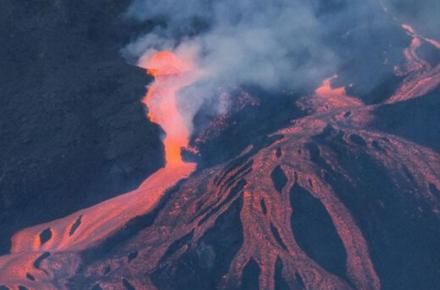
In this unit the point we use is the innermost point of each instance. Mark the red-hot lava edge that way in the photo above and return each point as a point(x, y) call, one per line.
point(247, 202)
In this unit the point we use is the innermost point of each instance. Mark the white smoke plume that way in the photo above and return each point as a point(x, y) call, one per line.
point(247, 41)
point(270, 44)
point(266, 43)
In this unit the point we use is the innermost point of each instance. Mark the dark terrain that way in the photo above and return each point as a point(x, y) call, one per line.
point(73, 130)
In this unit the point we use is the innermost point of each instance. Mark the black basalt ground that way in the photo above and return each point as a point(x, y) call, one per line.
point(73, 131)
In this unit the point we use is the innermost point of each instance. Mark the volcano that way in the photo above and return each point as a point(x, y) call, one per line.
point(324, 190)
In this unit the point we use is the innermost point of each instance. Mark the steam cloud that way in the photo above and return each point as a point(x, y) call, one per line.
point(247, 41)
point(272, 44)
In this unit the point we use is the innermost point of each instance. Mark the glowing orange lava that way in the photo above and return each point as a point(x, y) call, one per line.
point(32, 248)
point(326, 89)
point(171, 73)
point(329, 98)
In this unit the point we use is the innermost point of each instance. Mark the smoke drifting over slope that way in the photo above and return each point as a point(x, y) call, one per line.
point(275, 45)
point(423, 15)
point(267, 43)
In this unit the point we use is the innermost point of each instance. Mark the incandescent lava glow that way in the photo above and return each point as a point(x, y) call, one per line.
point(412, 32)
point(171, 73)
point(421, 77)
point(88, 227)
point(327, 98)
point(326, 89)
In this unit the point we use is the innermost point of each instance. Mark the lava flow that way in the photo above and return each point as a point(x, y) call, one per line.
point(327, 202)
point(420, 76)
point(328, 98)
point(320, 204)
point(170, 75)
point(306, 210)
point(31, 247)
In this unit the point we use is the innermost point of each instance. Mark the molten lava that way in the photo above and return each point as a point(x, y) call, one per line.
point(420, 76)
point(246, 213)
point(249, 212)
point(328, 98)
point(328, 91)
point(171, 74)
point(32, 247)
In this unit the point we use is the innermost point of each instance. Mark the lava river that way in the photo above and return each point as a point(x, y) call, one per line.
point(85, 228)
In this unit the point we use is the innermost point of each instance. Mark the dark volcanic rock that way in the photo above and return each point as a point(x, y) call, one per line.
point(417, 120)
point(73, 131)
